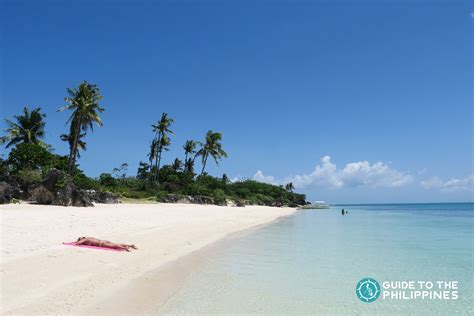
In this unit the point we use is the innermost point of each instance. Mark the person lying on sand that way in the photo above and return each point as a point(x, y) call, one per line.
point(91, 241)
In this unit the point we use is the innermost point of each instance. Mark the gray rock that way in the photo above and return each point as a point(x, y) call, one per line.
point(106, 198)
point(53, 190)
point(42, 195)
point(6, 193)
point(64, 196)
point(52, 179)
point(239, 203)
point(186, 199)
point(81, 198)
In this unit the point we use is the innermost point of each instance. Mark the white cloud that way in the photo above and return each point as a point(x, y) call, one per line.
point(354, 174)
point(325, 174)
point(451, 185)
point(260, 177)
point(235, 179)
point(378, 174)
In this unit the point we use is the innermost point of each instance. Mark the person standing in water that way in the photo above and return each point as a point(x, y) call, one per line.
point(342, 212)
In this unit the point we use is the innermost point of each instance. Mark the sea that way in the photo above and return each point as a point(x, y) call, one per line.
point(312, 262)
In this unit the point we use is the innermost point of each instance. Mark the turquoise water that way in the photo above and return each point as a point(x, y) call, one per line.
point(310, 263)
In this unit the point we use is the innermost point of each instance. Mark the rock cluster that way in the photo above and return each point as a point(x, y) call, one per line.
point(56, 189)
point(187, 199)
point(103, 197)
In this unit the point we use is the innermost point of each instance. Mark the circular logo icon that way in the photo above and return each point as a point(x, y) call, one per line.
point(368, 290)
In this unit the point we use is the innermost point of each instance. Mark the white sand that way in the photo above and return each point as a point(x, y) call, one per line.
point(39, 275)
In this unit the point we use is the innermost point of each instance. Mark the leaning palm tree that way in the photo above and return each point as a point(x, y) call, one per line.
point(162, 130)
point(81, 145)
point(83, 101)
point(28, 128)
point(212, 147)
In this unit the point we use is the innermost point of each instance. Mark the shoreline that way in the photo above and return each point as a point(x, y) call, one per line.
point(150, 291)
point(170, 238)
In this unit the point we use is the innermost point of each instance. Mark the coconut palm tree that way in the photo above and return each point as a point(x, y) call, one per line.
point(162, 145)
point(289, 187)
point(212, 147)
point(153, 155)
point(28, 128)
point(189, 148)
point(162, 130)
point(177, 165)
point(83, 101)
point(81, 145)
point(189, 166)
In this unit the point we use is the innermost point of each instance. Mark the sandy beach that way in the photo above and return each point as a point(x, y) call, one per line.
point(39, 275)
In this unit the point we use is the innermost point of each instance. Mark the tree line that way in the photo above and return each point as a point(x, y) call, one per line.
point(31, 157)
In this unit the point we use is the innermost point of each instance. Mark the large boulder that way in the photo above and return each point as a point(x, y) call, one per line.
point(52, 179)
point(177, 198)
point(70, 195)
point(200, 199)
point(105, 197)
point(187, 199)
point(64, 195)
point(57, 189)
point(81, 198)
point(6, 193)
point(42, 195)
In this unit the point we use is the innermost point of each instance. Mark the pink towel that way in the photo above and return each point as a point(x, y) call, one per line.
point(73, 243)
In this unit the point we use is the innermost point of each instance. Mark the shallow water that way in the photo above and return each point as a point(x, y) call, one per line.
point(311, 262)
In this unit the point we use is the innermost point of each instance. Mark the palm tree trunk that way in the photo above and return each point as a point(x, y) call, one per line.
point(204, 161)
point(73, 153)
point(159, 160)
point(151, 160)
point(158, 141)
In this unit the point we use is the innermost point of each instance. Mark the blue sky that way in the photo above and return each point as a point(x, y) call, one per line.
point(354, 102)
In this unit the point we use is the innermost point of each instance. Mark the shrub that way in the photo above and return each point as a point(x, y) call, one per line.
point(30, 157)
point(160, 196)
point(84, 182)
point(219, 197)
point(106, 180)
point(28, 177)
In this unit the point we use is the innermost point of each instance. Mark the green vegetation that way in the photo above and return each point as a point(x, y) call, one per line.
point(31, 159)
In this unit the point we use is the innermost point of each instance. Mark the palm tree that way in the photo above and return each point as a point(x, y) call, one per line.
point(81, 145)
point(28, 128)
point(289, 187)
point(83, 101)
point(153, 152)
point(212, 147)
point(189, 166)
point(189, 148)
point(162, 129)
point(177, 164)
point(162, 145)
